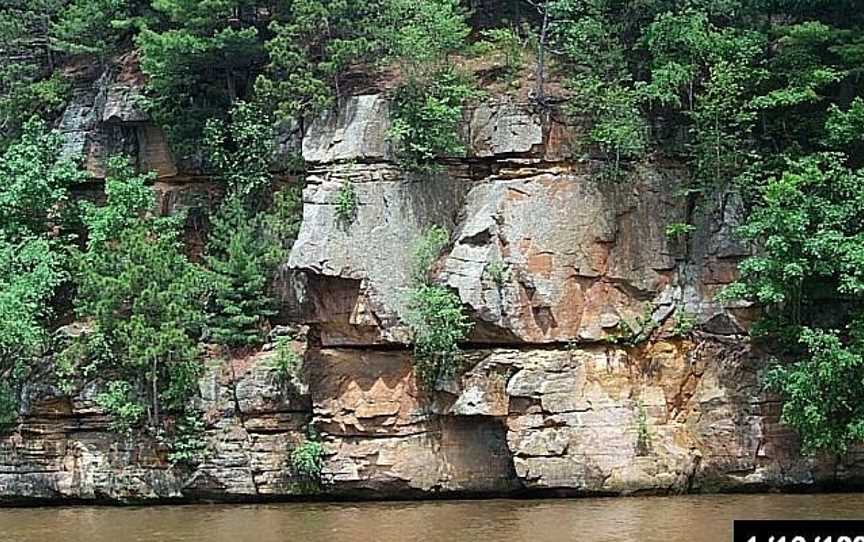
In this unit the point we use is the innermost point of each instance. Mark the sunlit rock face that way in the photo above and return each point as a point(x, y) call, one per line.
point(576, 379)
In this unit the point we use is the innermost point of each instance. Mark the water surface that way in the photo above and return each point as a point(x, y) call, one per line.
point(649, 519)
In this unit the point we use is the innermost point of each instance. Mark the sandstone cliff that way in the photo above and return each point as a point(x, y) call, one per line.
point(575, 379)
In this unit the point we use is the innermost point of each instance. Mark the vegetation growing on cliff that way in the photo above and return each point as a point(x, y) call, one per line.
point(145, 298)
point(435, 314)
point(809, 274)
point(34, 255)
point(761, 98)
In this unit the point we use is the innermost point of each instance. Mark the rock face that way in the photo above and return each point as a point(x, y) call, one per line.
point(104, 119)
point(65, 448)
point(578, 378)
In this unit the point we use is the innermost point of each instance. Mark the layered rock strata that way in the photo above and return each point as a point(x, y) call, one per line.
point(579, 377)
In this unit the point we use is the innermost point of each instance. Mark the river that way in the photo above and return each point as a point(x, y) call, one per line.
point(649, 519)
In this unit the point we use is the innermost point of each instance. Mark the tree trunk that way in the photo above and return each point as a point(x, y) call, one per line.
point(155, 391)
point(541, 57)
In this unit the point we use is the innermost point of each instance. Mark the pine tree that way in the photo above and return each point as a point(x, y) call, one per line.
point(239, 261)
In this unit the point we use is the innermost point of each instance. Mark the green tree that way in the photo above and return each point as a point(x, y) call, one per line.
point(427, 117)
point(314, 42)
point(589, 36)
point(145, 298)
point(199, 61)
point(240, 151)
point(94, 27)
point(240, 262)
point(34, 250)
point(808, 224)
point(421, 36)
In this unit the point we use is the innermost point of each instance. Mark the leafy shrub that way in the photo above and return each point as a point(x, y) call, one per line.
point(684, 325)
point(81, 357)
point(188, 442)
point(439, 324)
point(125, 407)
point(240, 151)
point(307, 459)
point(129, 198)
point(23, 94)
point(426, 119)
point(36, 182)
point(346, 203)
point(844, 128)
point(286, 364)
point(435, 314)
point(498, 272)
point(807, 222)
point(34, 246)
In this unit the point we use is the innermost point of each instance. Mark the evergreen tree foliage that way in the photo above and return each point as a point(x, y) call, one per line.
point(145, 298)
point(244, 245)
point(95, 28)
point(314, 42)
point(200, 58)
point(239, 259)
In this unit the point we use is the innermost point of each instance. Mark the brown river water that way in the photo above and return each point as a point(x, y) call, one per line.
point(649, 519)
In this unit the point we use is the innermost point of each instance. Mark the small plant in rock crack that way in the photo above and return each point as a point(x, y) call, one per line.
point(679, 230)
point(632, 333)
point(346, 204)
point(426, 250)
point(498, 272)
point(285, 366)
point(307, 463)
point(684, 324)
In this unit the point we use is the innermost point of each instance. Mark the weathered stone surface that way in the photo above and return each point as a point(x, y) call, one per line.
point(561, 257)
point(715, 252)
point(663, 417)
point(355, 131)
point(504, 128)
point(355, 292)
point(574, 421)
point(542, 253)
point(383, 437)
point(64, 449)
point(103, 120)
